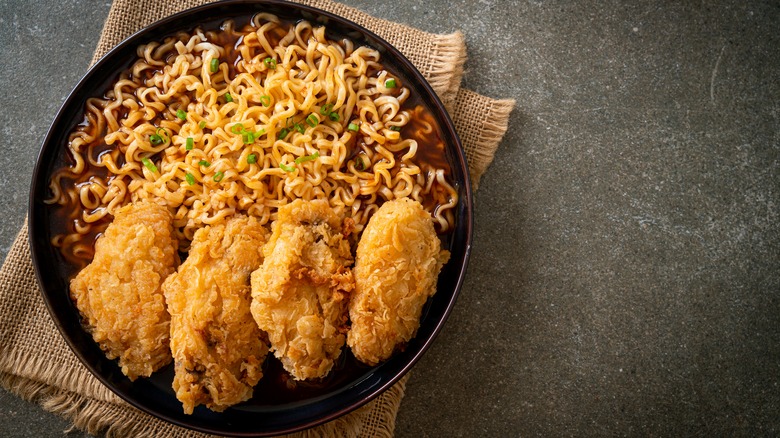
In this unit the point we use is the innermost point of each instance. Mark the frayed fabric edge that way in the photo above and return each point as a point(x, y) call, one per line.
point(447, 67)
point(491, 133)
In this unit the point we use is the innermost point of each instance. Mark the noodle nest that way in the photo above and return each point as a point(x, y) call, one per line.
point(234, 121)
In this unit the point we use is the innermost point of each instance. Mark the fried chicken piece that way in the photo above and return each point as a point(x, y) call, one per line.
point(217, 347)
point(119, 295)
point(397, 265)
point(300, 293)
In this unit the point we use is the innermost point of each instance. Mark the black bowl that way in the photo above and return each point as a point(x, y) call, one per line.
point(265, 414)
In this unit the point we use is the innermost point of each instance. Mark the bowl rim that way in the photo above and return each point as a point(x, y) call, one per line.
point(446, 125)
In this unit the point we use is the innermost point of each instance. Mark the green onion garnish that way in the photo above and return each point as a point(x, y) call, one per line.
point(190, 144)
point(325, 109)
point(334, 116)
point(158, 138)
point(149, 165)
point(180, 113)
point(395, 128)
point(202, 124)
point(359, 164)
point(251, 159)
point(214, 65)
point(190, 179)
point(311, 157)
point(265, 100)
point(353, 127)
point(390, 83)
point(270, 62)
point(286, 168)
point(248, 137)
point(228, 97)
point(282, 134)
point(312, 120)
point(298, 127)
point(204, 163)
point(218, 176)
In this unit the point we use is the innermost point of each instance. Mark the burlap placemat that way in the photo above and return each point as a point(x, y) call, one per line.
point(36, 363)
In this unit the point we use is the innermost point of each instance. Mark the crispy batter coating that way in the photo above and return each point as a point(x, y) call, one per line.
point(218, 349)
point(119, 295)
point(300, 293)
point(396, 268)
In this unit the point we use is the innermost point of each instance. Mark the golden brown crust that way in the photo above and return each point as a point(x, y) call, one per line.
point(119, 294)
point(219, 350)
point(300, 293)
point(396, 268)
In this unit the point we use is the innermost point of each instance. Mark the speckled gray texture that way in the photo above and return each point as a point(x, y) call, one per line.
point(626, 263)
point(45, 48)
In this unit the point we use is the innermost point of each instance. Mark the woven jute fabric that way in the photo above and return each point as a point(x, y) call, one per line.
point(36, 363)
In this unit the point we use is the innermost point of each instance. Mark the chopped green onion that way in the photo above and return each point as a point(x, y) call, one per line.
point(311, 157)
point(158, 138)
point(265, 100)
point(286, 168)
point(298, 127)
point(247, 136)
point(312, 120)
point(283, 133)
point(237, 128)
point(149, 165)
point(251, 159)
point(390, 83)
point(202, 124)
point(228, 97)
point(334, 116)
point(218, 176)
point(190, 143)
point(395, 128)
point(214, 65)
point(190, 179)
point(359, 164)
point(354, 127)
point(270, 62)
point(204, 163)
point(325, 109)
point(180, 113)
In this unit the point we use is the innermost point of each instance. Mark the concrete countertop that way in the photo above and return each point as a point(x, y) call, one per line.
point(626, 260)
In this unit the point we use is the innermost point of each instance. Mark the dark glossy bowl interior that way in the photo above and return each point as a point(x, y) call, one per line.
point(265, 414)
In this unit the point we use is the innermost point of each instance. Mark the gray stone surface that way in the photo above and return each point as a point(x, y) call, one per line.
point(626, 263)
